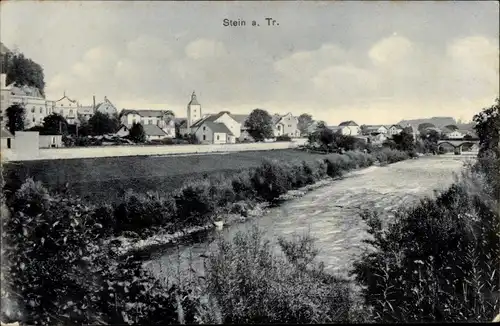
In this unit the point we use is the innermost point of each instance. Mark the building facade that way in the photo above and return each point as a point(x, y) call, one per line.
point(352, 126)
point(286, 125)
point(35, 105)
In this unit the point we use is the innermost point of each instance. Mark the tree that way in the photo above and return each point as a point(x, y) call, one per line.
point(23, 71)
point(425, 125)
point(404, 141)
point(451, 127)
point(137, 134)
point(488, 129)
point(260, 125)
point(55, 124)
point(364, 129)
point(305, 121)
point(101, 123)
point(16, 114)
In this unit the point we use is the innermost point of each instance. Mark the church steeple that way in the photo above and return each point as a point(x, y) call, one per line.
point(193, 111)
point(193, 101)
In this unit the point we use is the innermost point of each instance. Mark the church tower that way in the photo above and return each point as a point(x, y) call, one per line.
point(193, 111)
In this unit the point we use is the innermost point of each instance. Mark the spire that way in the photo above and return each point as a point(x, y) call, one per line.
point(193, 101)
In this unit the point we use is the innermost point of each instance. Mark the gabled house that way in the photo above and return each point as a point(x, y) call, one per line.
point(285, 125)
point(395, 130)
point(160, 118)
point(376, 129)
point(153, 132)
point(211, 132)
point(106, 107)
point(350, 125)
point(223, 117)
point(68, 108)
point(6, 139)
point(453, 134)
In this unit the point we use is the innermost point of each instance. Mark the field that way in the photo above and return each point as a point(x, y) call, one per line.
point(106, 179)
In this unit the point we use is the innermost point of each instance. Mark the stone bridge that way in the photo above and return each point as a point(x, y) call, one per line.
point(458, 144)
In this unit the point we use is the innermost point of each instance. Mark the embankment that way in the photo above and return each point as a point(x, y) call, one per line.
point(140, 150)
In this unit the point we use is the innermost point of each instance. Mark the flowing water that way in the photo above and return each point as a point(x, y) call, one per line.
point(331, 213)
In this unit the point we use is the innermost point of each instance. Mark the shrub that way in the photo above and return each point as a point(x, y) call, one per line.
point(254, 285)
point(193, 202)
point(283, 138)
point(437, 261)
point(270, 180)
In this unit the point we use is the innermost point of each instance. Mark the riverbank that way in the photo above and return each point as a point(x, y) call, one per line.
point(142, 248)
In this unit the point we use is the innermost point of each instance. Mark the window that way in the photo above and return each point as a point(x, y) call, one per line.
point(289, 126)
point(70, 112)
point(33, 119)
point(204, 128)
point(204, 137)
point(150, 122)
point(217, 137)
point(33, 110)
point(134, 121)
point(41, 110)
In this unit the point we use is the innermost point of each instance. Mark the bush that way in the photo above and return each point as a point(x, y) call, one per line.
point(254, 285)
point(270, 180)
point(283, 138)
point(437, 261)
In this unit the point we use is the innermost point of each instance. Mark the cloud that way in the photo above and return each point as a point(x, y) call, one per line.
point(149, 47)
point(390, 50)
point(205, 48)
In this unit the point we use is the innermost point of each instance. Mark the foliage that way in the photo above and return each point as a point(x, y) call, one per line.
point(305, 121)
point(430, 139)
point(487, 127)
point(423, 126)
point(404, 141)
point(101, 124)
point(451, 127)
point(438, 261)
point(16, 115)
point(23, 71)
point(259, 124)
point(283, 138)
point(137, 134)
point(55, 124)
point(253, 285)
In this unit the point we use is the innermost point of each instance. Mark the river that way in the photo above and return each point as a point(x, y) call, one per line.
point(331, 213)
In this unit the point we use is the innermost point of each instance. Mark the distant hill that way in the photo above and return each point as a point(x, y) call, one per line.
point(439, 122)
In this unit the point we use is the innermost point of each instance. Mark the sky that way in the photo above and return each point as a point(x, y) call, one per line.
point(371, 62)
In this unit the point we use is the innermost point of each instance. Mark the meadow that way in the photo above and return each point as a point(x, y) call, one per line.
point(102, 180)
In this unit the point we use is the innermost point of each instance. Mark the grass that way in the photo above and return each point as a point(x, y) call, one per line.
point(107, 179)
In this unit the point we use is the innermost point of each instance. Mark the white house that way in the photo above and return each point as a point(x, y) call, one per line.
point(160, 118)
point(455, 134)
point(68, 108)
point(106, 107)
point(213, 133)
point(35, 105)
point(343, 130)
point(285, 125)
point(153, 132)
point(395, 130)
point(352, 126)
point(378, 139)
point(6, 139)
point(376, 129)
point(223, 117)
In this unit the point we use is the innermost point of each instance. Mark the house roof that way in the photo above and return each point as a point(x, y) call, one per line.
point(217, 127)
point(4, 133)
point(3, 48)
point(65, 97)
point(149, 130)
point(85, 110)
point(240, 118)
point(25, 90)
point(276, 118)
point(348, 123)
point(209, 118)
point(105, 101)
point(374, 127)
point(397, 126)
point(144, 113)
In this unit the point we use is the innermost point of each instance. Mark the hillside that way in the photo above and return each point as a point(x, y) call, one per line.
point(439, 122)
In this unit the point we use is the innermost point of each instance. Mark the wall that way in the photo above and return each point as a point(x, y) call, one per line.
point(231, 124)
point(220, 138)
point(47, 141)
point(26, 145)
point(137, 150)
